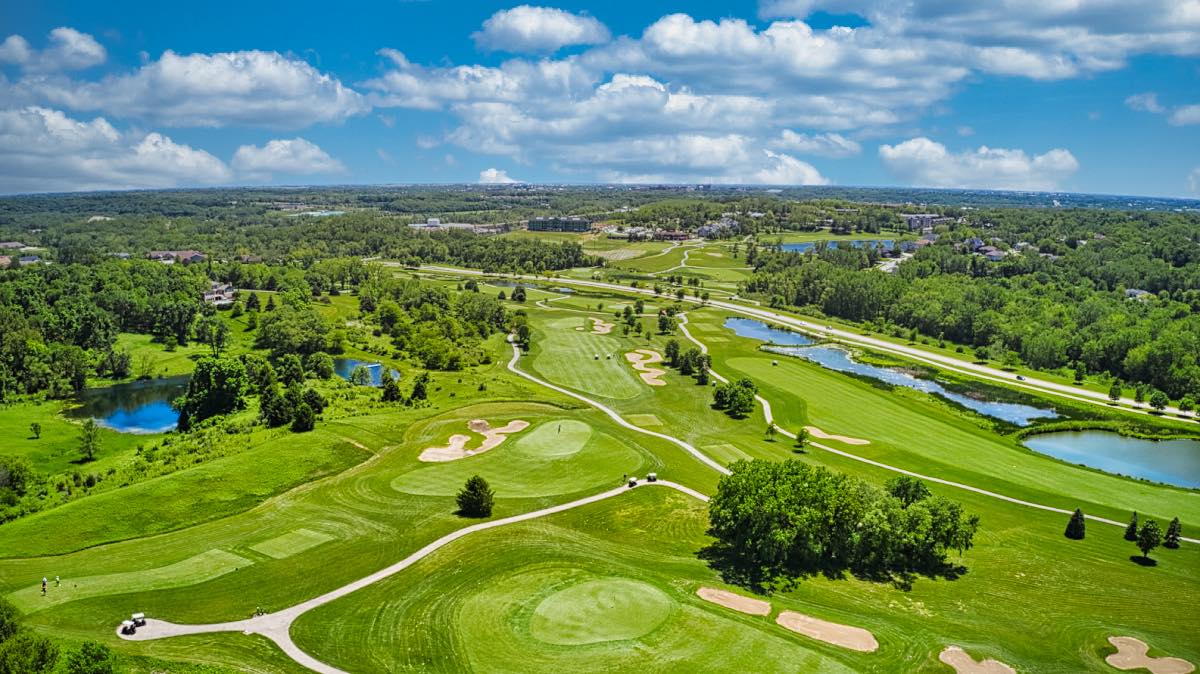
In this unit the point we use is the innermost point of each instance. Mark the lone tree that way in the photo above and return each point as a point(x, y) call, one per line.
point(1114, 391)
point(802, 437)
point(1131, 531)
point(1159, 400)
point(476, 498)
point(1149, 537)
point(390, 391)
point(1174, 531)
point(361, 376)
point(1075, 528)
point(908, 489)
point(36, 429)
point(671, 352)
point(89, 439)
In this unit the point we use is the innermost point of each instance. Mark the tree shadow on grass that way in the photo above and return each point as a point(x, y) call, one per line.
point(1143, 561)
point(737, 569)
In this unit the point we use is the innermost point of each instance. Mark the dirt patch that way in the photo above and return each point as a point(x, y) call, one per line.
point(734, 601)
point(1132, 654)
point(456, 448)
point(599, 327)
point(641, 360)
point(819, 434)
point(963, 663)
point(854, 638)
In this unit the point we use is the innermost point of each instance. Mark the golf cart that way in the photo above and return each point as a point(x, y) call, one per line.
point(139, 619)
point(127, 627)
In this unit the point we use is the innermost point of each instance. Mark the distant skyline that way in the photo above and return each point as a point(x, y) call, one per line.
point(1092, 96)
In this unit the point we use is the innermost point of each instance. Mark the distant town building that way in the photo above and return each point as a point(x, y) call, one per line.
point(28, 259)
point(119, 256)
point(11, 245)
point(1137, 294)
point(559, 224)
point(923, 220)
point(671, 235)
point(173, 256)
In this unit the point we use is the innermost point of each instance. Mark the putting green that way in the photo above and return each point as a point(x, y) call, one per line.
point(567, 357)
point(543, 463)
point(554, 440)
point(291, 543)
point(193, 570)
point(605, 609)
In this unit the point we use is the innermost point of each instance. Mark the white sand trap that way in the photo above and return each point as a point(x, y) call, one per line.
point(599, 327)
point(456, 448)
point(819, 434)
point(642, 359)
point(714, 254)
point(854, 638)
point(963, 663)
point(735, 601)
point(1132, 654)
point(579, 329)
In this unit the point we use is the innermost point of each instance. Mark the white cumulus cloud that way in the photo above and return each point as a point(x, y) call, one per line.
point(296, 156)
point(1185, 115)
point(495, 176)
point(924, 162)
point(832, 145)
point(44, 150)
point(538, 29)
point(251, 88)
point(66, 49)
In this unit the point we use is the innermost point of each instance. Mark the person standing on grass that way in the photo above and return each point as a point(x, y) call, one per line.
point(44, 581)
point(57, 581)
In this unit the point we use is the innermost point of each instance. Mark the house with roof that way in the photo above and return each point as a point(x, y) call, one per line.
point(11, 245)
point(1138, 294)
point(173, 256)
point(220, 294)
point(26, 260)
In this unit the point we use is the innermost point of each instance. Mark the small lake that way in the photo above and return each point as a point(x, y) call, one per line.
point(840, 360)
point(1175, 462)
point(344, 367)
point(748, 327)
point(886, 244)
point(137, 407)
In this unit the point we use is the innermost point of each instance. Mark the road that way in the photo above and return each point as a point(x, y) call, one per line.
point(976, 370)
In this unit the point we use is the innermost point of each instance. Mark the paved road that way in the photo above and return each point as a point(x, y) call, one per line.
point(960, 366)
point(277, 626)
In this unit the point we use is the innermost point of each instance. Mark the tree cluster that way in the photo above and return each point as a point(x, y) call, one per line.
point(777, 521)
point(735, 397)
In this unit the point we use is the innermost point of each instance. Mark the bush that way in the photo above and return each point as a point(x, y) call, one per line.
point(303, 420)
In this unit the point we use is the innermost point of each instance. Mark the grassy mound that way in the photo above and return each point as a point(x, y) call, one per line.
point(543, 463)
point(594, 611)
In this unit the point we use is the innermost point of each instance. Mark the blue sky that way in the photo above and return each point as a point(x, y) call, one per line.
point(1080, 95)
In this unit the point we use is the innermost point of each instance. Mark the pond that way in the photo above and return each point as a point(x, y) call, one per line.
point(748, 327)
point(1175, 462)
point(344, 367)
point(137, 407)
point(840, 360)
point(886, 244)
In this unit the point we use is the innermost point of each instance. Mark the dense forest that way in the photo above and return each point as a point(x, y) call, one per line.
point(1106, 291)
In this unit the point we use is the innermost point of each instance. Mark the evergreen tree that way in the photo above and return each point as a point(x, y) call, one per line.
point(1174, 532)
point(303, 419)
point(315, 400)
point(253, 302)
point(476, 498)
point(420, 386)
point(1149, 537)
point(1075, 528)
point(1131, 531)
point(270, 303)
point(273, 408)
point(390, 391)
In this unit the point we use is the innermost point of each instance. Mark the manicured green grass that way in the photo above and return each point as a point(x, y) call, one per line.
point(211, 490)
point(544, 463)
point(197, 569)
point(610, 586)
point(568, 357)
point(599, 610)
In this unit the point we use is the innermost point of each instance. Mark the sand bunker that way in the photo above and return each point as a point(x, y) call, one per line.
point(456, 448)
point(965, 664)
point(854, 638)
point(1131, 654)
point(735, 601)
point(599, 327)
point(641, 359)
point(819, 434)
